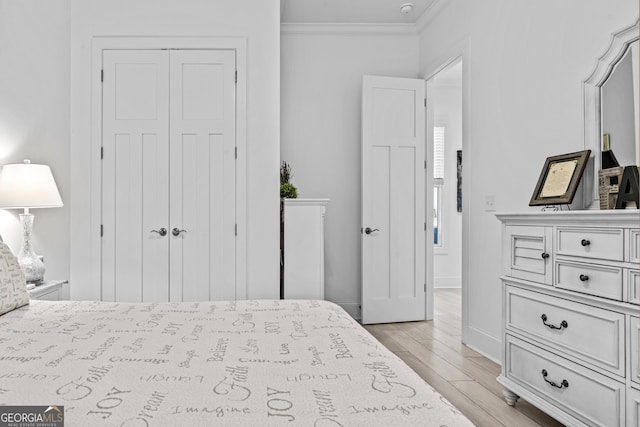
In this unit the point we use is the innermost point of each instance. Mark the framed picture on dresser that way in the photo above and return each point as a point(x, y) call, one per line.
point(559, 179)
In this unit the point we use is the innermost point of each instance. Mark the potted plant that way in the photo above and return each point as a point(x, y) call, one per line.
point(287, 190)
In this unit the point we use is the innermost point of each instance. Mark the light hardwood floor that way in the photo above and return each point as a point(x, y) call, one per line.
point(467, 379)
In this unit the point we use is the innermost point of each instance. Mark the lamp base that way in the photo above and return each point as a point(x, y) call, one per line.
point(32, 266)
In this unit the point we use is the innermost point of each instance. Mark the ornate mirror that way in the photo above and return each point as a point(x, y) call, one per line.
point(611, 108)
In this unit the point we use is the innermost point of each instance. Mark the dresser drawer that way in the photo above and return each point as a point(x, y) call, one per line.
point(634, 286)
point(635, 353)
point(634, 245)
point(594, 279)
point(591, 334)
point(601, 243)
point(51, 295)
point(50, 290)
point(584, 394)
point(633, 407)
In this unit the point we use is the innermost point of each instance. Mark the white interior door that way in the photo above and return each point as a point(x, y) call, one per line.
point(169, 178)
point(202, 165)
point(393, 200)
point(135, 200)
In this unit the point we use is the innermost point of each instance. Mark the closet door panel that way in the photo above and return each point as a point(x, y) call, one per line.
point(155, 205)
point(202, 165)
point(128, 217)
point(135, 176)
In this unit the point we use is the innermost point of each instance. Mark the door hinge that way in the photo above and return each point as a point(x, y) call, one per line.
point(425, 287)
point(425, 226)
point(236, 153)
point(101, 153)
point(102, 75)
point(101, 230)
point(425, 164)
point(236, 229)
point(236, 76)
point(425, 103)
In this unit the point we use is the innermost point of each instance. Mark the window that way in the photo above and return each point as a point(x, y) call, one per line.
point(438, 153)
point(437, 215)
point(438, 183)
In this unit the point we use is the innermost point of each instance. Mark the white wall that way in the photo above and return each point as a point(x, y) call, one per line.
point(321, 95)
point(34, 116)
point(525, 63)
point(447, 260)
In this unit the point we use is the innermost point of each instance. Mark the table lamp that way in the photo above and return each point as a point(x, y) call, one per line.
point(27, 186)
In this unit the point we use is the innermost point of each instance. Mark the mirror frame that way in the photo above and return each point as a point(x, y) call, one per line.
point(592, 85)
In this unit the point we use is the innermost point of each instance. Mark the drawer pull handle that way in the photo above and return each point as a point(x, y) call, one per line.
point(544, 255)
point(563, 384)
point(584, 277)
point(585, 242)
point(563, 324)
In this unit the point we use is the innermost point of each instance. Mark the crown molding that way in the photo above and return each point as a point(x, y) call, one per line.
point(430, 12)
point(349, 29)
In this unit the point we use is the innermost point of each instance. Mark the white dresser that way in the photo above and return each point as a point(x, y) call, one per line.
point(571, 319)
point(304, 248)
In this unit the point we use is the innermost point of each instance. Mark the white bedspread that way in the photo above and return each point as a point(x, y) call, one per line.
point(244, 363)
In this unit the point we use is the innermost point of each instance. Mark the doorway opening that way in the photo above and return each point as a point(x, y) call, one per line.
point(444, 90)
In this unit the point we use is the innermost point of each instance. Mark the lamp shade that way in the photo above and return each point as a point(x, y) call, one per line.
point(26, 185)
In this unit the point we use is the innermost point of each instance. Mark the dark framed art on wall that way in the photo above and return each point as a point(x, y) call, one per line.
point(459, 182)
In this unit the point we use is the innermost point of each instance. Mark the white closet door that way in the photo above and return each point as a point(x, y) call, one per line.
point(169, 163)
point(135, 261)
point(202, 167)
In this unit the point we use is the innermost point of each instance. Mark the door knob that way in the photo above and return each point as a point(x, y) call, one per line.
point(370, 230)
point(162, 231)
point(176, 231)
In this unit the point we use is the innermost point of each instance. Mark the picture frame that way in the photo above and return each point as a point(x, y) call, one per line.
point(559, 179)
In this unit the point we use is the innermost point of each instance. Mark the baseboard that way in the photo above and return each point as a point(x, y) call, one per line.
point(447, 282)
point(353, 308)
point(490, 347)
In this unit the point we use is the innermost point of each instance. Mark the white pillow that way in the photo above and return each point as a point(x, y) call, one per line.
point(13, 286)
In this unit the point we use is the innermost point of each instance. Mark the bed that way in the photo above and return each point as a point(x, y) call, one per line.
point(236, 363)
